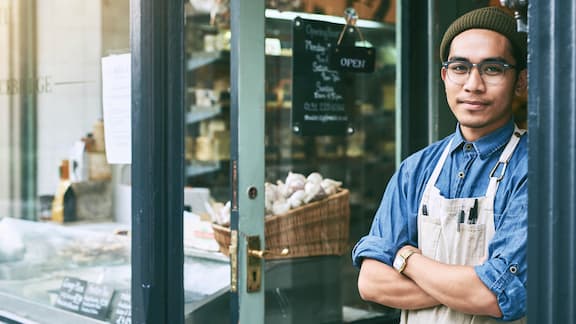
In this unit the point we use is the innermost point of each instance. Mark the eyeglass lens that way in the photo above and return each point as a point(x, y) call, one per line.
point(491, 72)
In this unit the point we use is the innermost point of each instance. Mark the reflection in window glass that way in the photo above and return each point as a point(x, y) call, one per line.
point(63, 206)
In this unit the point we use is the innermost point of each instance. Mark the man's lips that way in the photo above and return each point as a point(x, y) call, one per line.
point(473, 102)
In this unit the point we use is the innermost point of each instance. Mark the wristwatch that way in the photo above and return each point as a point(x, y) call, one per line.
point(401, 259)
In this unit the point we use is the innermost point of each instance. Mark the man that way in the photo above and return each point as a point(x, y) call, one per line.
point(448, 242)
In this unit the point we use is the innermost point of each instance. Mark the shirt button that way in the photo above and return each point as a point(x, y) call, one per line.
point(468, 147)
point(513, 269)
point(460, 174)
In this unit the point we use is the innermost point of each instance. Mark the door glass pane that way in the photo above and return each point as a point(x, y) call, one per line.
point(207, 160)
point(64, 208)
point(320, 123)
point(330, 146)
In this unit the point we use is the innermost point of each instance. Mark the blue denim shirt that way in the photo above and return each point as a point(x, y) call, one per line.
point(395, 223)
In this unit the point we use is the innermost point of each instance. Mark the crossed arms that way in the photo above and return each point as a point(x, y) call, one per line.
point(425, 283)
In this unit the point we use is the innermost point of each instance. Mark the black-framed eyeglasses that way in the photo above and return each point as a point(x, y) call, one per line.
point(492, 72)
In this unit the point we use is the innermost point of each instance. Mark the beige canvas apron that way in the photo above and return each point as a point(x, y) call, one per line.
point(440, 239)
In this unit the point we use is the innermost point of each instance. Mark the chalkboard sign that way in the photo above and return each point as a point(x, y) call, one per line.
point(96, 301)
point(319, 93)
point(85, 298)
point(71, 294)
point(121, 308)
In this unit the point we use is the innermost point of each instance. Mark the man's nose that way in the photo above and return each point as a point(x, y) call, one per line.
point(474, 81)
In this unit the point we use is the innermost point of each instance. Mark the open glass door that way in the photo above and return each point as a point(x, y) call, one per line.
point(329, 151)
point(292, 152)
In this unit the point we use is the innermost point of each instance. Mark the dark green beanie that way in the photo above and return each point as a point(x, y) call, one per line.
point(491, 18)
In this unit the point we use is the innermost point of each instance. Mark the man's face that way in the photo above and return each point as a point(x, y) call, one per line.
point(480, 107)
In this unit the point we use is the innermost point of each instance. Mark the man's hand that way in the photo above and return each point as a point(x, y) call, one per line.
point(457, 287)
point(382, 284)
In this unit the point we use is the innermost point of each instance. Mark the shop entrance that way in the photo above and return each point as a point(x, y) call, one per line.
point(287, 145)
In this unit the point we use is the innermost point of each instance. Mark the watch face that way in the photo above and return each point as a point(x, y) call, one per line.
point(398, 263)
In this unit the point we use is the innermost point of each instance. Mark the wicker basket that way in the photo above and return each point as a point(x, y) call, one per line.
point(317, 228)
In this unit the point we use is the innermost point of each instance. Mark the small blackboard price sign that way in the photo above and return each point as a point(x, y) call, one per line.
point(85, 298)
point(318, 91)
point(71, 294)
point(121, 308)
point(96, 301)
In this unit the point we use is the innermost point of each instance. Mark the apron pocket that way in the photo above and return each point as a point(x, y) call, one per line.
point(429, 236)
point(472, 244)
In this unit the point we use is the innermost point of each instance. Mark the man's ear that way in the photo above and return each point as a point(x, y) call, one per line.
point(443, 74)
point(521, 83)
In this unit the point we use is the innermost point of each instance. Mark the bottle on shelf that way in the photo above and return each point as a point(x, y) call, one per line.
point(63, 203)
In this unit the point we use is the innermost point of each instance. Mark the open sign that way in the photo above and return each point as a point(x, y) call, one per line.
point(352, 59)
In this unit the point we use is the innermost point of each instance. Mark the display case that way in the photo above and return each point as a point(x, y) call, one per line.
point(80, 273)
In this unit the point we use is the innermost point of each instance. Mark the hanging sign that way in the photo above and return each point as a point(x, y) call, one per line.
point(319, 93)
point(352, 58)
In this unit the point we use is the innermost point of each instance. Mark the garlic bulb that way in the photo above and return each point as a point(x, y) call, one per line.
point(270, 191)
point(313, 191)
point(330, 186)
point(314, 177)
point(295, 181)
point(225, 213)
point(280, 207)
point(283, 190)
point(297, 198)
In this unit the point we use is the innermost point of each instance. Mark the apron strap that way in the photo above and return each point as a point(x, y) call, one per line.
point(499, 169)
point(436, 173)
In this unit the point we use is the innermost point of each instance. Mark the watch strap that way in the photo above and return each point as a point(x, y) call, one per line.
point(405, 255)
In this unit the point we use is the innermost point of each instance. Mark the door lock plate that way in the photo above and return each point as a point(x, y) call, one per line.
point(254, 264)
point(233, 260)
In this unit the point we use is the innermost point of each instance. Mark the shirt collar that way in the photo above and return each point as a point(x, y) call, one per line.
point(488, 144)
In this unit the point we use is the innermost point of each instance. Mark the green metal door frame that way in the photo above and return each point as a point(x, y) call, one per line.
point(157, 169)
point(157, 47)
point(247, 149)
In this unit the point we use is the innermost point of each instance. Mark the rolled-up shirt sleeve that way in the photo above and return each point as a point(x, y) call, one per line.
point(505, 272)
point(391, 228)
point(504, 281)
point(372, 247)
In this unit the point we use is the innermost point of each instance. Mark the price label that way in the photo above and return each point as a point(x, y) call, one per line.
point(85, 298)
point(122, 308)
point(71, 294)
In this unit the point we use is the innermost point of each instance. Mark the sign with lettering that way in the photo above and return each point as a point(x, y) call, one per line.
point(320, 94)
point(121, 308)
point(353, 59)
point(71, 294)
point(96, 301)
point(33, 85)
point(85, 298)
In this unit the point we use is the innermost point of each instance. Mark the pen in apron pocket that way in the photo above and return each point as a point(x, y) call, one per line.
point(460, 219)
point(473, 216)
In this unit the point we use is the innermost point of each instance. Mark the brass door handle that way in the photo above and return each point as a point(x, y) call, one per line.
point(254, 257)
point(264, 253)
